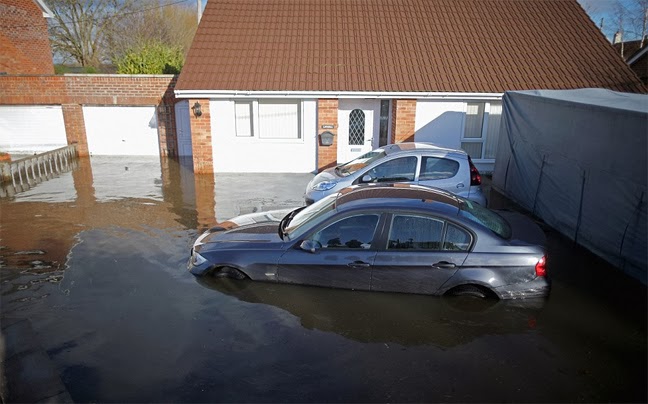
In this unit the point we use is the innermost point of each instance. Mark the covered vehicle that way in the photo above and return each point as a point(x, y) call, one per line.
point(396, 238)
point(414, 163)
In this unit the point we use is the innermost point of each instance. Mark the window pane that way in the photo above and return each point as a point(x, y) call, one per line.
point(456, 239)
point(474, 149)
point(279, 119)
point(243, 112)
point(352, 232)
point(384, 123)
point(474, 120)
point(402, 169)
point(492, 134)
point(356, 127)
point(415, 232)
point(434, 168)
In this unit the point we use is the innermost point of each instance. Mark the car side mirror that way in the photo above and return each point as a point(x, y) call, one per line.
point(367, 178)
point(310, 245)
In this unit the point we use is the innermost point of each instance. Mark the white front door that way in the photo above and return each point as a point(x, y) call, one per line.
point(183, 128)
point(358, 125)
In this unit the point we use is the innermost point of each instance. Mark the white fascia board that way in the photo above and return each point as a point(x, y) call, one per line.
point(47, 13)
point(638, 55)
point(215, 94)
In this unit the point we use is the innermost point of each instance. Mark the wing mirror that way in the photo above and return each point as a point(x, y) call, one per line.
point(367, 178)
point(310, 245)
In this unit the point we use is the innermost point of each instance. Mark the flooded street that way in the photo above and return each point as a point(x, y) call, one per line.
point(96, 261)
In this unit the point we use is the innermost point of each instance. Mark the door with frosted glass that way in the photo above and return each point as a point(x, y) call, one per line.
point(358, 125)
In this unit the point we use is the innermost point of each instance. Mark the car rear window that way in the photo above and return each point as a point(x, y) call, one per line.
point(485, 217)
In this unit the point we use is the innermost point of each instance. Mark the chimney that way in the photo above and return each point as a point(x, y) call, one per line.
point(617, 37)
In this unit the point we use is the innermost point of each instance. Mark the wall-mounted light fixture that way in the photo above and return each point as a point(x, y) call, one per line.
point(197, 109)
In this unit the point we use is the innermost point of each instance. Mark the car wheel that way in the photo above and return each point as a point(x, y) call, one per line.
point(229, 272)
point(470, 290)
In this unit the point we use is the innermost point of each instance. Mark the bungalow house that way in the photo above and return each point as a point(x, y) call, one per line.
point(267, 81)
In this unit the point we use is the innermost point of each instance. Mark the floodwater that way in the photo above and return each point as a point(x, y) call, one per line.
point(95, 259)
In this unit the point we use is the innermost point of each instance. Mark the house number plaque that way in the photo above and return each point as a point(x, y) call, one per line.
point(328, 126)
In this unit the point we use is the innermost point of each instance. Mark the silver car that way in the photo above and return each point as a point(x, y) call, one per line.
point(414, 163)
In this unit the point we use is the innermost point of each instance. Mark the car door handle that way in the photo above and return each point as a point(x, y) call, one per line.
point(460, 185)
point(444, 264)
point(358, 264)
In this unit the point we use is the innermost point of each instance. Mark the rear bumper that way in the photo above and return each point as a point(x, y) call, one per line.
point(539, 287)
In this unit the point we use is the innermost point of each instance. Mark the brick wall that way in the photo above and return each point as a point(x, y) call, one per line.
point(201, 138)
point(24, 41)
point(403, 120)
point(73, 91)
point(327, 114)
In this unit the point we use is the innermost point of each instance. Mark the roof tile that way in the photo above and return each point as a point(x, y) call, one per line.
point(400, 45)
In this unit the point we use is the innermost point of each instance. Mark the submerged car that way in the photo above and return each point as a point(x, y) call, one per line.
point(395, 238)
point(415, 163)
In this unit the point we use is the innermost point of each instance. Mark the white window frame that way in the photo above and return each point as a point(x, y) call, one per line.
point(255, 117)
point(483, 140)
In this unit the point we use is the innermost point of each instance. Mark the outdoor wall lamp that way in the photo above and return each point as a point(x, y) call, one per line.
point(197, 109)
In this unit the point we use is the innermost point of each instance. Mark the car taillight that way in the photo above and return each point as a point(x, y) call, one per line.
point(475, 177)
point(541, 267)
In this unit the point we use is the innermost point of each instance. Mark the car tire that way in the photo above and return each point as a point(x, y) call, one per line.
point(229, 272)
point(469, 290)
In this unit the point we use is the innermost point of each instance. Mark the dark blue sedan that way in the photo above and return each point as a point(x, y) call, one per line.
point(393, 238)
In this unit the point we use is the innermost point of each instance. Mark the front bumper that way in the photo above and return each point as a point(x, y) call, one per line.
point(198, 269)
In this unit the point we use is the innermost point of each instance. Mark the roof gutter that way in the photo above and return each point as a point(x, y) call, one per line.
point(335, 94)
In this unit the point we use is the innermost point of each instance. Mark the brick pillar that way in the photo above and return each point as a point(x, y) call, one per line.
point(327, 114)
point(168, 141)
point(75, 127)
point(403, 120)
point(201, 138)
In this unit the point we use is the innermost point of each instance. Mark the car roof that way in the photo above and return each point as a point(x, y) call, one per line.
point(409, 147)
point(405, 195)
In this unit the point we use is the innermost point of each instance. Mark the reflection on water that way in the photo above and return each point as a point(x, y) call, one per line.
point(402, 319)
point(97, 263)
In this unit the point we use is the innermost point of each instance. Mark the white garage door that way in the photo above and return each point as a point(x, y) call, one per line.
point(121, 131)
point(31, 129)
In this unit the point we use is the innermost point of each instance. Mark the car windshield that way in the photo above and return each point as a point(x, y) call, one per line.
point(485, 217)
point(296, 225)
point(358, 163)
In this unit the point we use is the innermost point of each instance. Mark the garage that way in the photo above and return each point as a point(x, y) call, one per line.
point(121, 131)
point(31, 129)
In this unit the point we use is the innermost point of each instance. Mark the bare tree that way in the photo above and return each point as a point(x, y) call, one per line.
point(80, 29)
point(171, 24)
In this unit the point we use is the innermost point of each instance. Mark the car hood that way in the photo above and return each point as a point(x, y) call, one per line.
point(523, 228)
point(260, 227)
point(254, 233)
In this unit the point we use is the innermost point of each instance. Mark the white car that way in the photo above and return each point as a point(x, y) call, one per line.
point(413, 163)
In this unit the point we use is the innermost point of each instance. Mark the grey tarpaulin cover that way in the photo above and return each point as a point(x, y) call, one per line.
point(577, 159)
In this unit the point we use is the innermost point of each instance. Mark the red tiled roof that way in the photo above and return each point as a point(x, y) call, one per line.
point(401, 46)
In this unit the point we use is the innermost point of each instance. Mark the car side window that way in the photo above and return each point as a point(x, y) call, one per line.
point(415, 232)
point(436, 168)
point(400, 169)
point(350, 232)
point(456, 239)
